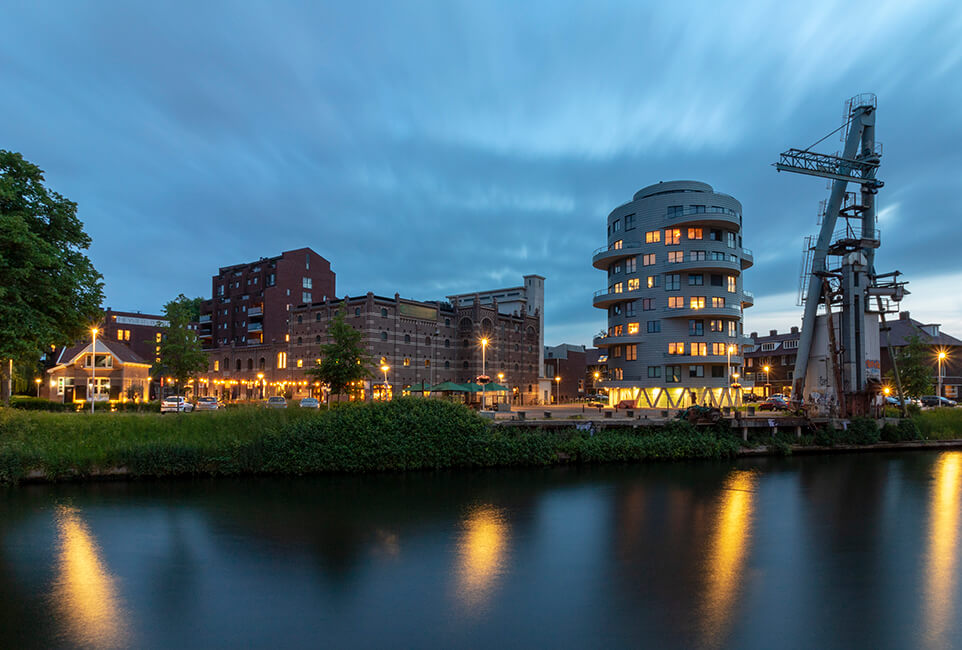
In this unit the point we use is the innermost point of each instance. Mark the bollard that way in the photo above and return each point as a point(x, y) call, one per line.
point(630, 413)
point(547, 415)
point(727, 410)
point(664, 414)
point(751, 410)
point(607, 414)
point(521, 415)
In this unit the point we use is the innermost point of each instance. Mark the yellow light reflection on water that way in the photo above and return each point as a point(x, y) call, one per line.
point(942, 548)
point(481, 549)
point(85, 594)
point(727, 550)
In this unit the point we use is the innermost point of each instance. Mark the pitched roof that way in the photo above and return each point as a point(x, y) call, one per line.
point(905, 328)
point(120, 351)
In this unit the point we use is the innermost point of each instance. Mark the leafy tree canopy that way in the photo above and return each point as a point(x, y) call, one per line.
point(915, 367)
point(50, 293)
point(344, 360)
point(181, 356)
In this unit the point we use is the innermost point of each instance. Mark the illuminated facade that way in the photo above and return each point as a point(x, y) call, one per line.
point(674, 261)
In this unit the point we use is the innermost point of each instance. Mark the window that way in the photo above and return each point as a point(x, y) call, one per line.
point(632, 328)
point(617, 374)
point(630, 222)
point(647, 304)
point(616, 351)
point(696, 256)
point(697, 302)
point(676, 210)
point(696, 279)
point(383, 313)
point(768, 347)
point(300, 363)
point(676, 348)
point(697, 209)
point(648, 259)
point(730, 239)
point(407, 338)
point(216, 365)
point(384, 336)
point(672, 374)
point(718, 371)
point(270, 280)
point(634, 284)
point(281, 360)
point(695, 233)
point(718, 257)
point(732, 284)
point(616, 268)
point(306, 283)
point(715, 235)
point(614, 310)
point(157, 336)
point(716, 280)
point(99, 385)
point(447, 343)
point(696, 328)
point(617, 245)
point(631, 352)
point(103, 361)
point(653, 281)
point(698, 349)
point(615, 330)
point(654, 372)
point(717, 302)
point(790, 345)
point(672, 281)
point(447, 364)
point(618, 287)
point(672, 236)
point(716, 325)
point(674, 257)
point(696, 371)
point(631, 265)
point(654, 326)
point(676, 302)
point(616, 225)
point(406, 362)
point(652, 236)
point(719, 349)
point(732, 328)
point(427, 363)
point(306, 296)
point(629, 309)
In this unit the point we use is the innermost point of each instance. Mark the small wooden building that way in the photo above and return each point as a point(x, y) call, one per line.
point(114, 373)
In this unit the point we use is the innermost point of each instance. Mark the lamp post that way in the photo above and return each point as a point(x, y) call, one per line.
point(501, 381)
point(484, 348)
point(93, 369)
point(941, 359)
point(768, 383)
point(728, 371)
point(557, 383)
point(260, 381)
point(384, 369)
point(737, 388)
point(38, 381)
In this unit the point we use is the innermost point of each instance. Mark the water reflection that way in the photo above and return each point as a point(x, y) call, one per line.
point(942, 551)
point(481, 549)
point(727, 551)
point(85, 594)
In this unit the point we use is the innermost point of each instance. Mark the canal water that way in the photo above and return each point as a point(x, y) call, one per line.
point(844, 551)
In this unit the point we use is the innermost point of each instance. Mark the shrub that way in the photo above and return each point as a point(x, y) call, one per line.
point(38, 404)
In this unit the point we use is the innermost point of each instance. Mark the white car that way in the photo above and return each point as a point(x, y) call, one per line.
point(176, 404)
point(309, 403)
point(207, 404)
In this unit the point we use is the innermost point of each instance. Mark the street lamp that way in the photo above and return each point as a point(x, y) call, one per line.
point(941, 357)
point(93, 369)
point(501, 379)
point(484, 347)
point(384, 369)
point(557, 383)
point(260, 380)
point(38, 381)
point(768, 383)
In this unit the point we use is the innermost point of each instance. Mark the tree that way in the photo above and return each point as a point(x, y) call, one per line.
point(50, 293)
point(181, 356)
point(344, 360)
point(915, 369)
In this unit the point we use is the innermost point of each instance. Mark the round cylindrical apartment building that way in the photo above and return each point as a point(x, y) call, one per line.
point(674, 297)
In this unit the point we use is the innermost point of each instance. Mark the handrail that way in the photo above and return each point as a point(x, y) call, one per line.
point(690, 210)
point(607, 249)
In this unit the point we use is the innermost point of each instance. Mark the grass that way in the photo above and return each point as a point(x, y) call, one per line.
point(940, 423)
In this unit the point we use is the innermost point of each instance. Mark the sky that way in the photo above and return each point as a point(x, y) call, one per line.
point(437, 148)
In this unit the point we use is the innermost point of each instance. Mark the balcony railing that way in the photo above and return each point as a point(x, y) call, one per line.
point(705, 210)
point(255, 327)
point(204, 318)
point(606, 249)
point(748, 252)
point(255, 311)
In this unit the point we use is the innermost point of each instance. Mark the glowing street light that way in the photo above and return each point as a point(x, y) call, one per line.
point(484, 347)
point(93, 368)
point(384, 369)
point(501, 379)
point(941, 358)
point(557, 383)
point(260, 380)
point(38, 381)
point(768, 383)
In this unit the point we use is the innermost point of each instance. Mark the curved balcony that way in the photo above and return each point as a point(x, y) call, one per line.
point(748, 258)
point(711, 359)
point(605, 298)
point(608, 341)
point(604, 256)
point(728, 311)
point(689, 216)
point(748, 298)
point(703, 265)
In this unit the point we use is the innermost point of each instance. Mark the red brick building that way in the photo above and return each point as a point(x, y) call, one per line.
point(142, 333)
point(569, 363)
point(114, 373)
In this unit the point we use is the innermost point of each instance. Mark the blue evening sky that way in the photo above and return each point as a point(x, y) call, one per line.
point(434, 148)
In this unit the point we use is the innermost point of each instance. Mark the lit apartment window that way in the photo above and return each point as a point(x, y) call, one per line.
point(616, 246)
point(732, 284)
point(716, 326)
point(631, 352)
point(717, 302)
point(697, 302)
point(617, 374)
point(652, 236)
point(672, 236)
point(732, 328)
point(653, 281)
point(676, 348)
point(634, 284)
point(633, 328)
point(676, 302)
point(406, 362)
point(674, 257)
point(157, 337)
point(718, 349)
point(281, 360)
point(698, 349)
point(648, 260)
point(616, 351)
point(618, 288)
point(616, 330)
point(695, 233)
point(216, 365)
point(300, 363)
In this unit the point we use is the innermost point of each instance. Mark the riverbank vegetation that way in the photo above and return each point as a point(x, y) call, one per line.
point(405, 434)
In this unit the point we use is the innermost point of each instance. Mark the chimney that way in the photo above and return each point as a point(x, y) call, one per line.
point(753, 335)
point(773, 332)
point(903, 315)
point(794, 329)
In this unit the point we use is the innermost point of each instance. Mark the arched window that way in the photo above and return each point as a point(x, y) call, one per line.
point(317, 339)
point(516, 347)
point(427, 363)
point(300, 340)
point(357, 311)
point(384, 336)
point(465, 324)
point(447, 322)
point(300, 319)
point(250, 364)
point(317, 317)
point(427, 340)
point(464, 344)
point(238, 365)
point(407, 338)
point(516, 367)
point(407, 361)
point(262, 363)
point(227, 363)
point(281, 360)
point(447, 343)
point(383, 313)
point(465, 365)
point(447, 364)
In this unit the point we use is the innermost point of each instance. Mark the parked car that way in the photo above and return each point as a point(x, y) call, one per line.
point(208, 404)
point(276, 402)
point(309, 403)
point(176, 404)
point(934, 400)
point(773, 403)
point(596, 400)
point(894, 401)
